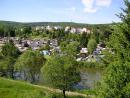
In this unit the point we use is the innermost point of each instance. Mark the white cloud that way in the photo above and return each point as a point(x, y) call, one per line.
point(88, 3)
point(91, 6)
point(105, 3)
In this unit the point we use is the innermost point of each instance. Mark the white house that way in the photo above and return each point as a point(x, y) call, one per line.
point(84, 50)
point(73, 30)
point(67, 28)
point(84, 30)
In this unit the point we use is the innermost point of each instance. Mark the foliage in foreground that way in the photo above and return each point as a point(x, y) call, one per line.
point(116, 81)
point(16, 89)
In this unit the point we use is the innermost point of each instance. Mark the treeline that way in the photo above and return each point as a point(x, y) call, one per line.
point(63, 24)
point(12, 29)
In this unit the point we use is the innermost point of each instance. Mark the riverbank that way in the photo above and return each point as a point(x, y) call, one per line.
point(17, 89)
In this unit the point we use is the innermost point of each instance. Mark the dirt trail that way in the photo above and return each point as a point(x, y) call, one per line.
point(69, 93)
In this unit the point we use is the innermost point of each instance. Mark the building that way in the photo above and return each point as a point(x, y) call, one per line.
point(73, 30)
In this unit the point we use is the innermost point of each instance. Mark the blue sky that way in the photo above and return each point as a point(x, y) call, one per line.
point(81, 11)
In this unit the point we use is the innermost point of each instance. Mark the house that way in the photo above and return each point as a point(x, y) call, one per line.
point(53, 43)
point(78, 30)
point(89, 31)
point(67, 29)
point(48, 28)
point(57, 27)
point(45, 52)
point(84, 30)
point(37, 28)
point(84, 52)
point(73, 30)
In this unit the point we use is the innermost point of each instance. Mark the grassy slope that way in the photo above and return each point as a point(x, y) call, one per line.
point(17, 89)
point(12, 89)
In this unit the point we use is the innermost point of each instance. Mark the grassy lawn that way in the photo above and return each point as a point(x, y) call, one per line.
point(16, 89)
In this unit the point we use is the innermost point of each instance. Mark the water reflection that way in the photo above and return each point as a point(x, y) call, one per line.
point(89, 78)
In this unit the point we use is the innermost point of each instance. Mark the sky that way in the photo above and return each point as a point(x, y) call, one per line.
point(80, 11)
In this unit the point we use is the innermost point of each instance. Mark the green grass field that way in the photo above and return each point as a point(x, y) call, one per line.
point(16, 89)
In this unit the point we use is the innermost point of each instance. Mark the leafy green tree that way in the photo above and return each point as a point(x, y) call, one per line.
point(25, 31)
point(63, 45)
point(9, 56)
point(1, 30)
point(126, 91)
point(30, 63)
point(70, 48)
point(116, 78)
point(118, 72)
point(9, 49)
point(9, 31)
point(61, 72)
point(92, 44)
point(95, 35)
point(84, 39)
point(72, 37)
point(120, 39)
point(7, 67)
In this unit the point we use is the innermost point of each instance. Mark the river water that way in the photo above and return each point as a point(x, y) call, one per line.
point(89, 78)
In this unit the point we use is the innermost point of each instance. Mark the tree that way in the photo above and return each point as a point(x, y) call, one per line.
point(9, 55)
point(116, 78)
point(120, 38)
point(8, 30)
point(9, 49)
point(61, 72)
point(126, 90)
point(70, 48)
point(84, 39)
point(95, 35)
point(117, 75)
point(24, 31)
point(30, 63)
point(7, 67)
point(91, 45)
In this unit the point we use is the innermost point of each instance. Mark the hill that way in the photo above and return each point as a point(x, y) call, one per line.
point(17, 89)
point(63, 24)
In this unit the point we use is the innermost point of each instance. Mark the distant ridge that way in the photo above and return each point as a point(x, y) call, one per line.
point(63, 24)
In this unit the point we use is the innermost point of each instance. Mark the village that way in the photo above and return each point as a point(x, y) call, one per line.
point(72, 30)
point(36, 44)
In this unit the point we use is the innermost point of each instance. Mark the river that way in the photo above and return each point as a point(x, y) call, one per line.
point(89, 78)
